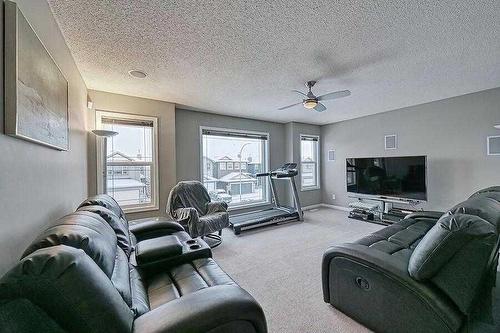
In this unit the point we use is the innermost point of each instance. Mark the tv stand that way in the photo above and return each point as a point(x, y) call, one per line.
point(382, 213)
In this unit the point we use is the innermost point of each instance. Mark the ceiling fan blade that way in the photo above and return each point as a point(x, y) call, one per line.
point(300, 92)
point(320, 107)
point(289, 106)
point(334, 95)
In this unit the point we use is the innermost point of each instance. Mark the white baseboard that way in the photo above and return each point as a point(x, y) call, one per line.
point(345, 209)
point(312, 207)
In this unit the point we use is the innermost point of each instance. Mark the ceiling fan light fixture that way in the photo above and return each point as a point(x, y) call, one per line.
point(310, 103)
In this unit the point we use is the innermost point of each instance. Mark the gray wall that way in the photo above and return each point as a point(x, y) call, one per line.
point(293, 132)
point(165, 112)
point(39, 184)
point(451, 132)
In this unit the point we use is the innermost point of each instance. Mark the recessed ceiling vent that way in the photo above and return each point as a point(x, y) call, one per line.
point(138, 74)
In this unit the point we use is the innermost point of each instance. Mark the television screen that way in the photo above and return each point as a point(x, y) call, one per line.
point(398, 177)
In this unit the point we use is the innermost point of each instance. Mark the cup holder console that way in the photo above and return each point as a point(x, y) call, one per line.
point(194, 247)
point(191, 242)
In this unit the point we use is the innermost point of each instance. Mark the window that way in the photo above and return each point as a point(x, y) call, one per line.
point(309, 162)
point(131, 160)
point(237, 186)
point(222, 166)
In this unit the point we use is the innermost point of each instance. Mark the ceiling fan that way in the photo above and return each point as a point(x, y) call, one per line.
point(312, 102)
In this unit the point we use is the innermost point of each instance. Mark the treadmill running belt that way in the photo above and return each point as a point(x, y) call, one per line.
point(251, 218)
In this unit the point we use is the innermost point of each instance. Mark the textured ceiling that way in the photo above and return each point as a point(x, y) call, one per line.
point(243, 57)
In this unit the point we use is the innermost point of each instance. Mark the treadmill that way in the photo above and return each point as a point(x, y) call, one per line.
point(277, 213)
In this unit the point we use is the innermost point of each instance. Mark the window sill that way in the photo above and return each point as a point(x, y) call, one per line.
point(254, 205)
point(140, 209)
point(312, 188)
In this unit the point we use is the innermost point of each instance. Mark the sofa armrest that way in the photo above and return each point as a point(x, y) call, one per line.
point(153, 227)
point(358, 279)
point(425, 214)
point(224, 307)
point(216, 207)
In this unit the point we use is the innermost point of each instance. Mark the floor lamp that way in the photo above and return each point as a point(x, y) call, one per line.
point(104, 134)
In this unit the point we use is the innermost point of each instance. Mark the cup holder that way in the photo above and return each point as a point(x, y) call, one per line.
point(194, 246)
point(191, 242)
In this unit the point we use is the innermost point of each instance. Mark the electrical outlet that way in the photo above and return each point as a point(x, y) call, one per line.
point(333, 196)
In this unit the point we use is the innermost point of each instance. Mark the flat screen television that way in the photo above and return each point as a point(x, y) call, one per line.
point(401, 177)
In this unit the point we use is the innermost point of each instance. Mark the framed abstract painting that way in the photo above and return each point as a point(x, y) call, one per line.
point(36, 91)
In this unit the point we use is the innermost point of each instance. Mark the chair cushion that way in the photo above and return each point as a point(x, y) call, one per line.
point(188, 194)
point(450, 234)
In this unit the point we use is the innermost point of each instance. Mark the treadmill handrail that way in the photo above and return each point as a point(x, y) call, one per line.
point(264, 174)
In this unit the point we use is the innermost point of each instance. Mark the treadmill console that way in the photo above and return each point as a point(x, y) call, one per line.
point(287, 170)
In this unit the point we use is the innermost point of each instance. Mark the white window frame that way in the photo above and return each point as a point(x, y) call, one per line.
point(154, 205)
point(222, 166)
point(266, 163)
point(230, 165)
point(318, 157)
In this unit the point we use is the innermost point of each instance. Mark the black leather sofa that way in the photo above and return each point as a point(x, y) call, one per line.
point(428, 273)
point(81, 275)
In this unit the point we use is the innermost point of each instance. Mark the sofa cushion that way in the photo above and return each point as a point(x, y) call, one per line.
point(185, 279)
point(81, 230)
point(105, 201)
point(67, 284)
point(119, 225)
point(450, 234)
point(398, 239)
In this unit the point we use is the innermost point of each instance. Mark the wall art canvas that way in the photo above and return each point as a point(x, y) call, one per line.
point(36, 91)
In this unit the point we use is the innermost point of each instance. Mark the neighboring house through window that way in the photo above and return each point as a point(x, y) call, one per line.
point(131, 161)
point(309, 162)
point(232, 153)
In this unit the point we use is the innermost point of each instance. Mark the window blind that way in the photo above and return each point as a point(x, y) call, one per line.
point(234, 134)
point(309, 138)
point(129, 122)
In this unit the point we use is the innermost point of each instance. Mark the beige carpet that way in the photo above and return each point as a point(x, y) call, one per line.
point(281, 267)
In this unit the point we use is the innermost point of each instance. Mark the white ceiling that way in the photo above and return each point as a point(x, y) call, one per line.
point(242, 58)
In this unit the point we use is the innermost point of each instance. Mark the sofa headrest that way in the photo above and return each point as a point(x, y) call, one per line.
point(69, 287)
point(493, 190)
point(106, 201)
point(119, 225)
point(484, 203)
point(445, 239)
point(81, 230)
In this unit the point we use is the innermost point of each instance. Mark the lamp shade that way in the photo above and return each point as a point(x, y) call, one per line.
point(104, 133)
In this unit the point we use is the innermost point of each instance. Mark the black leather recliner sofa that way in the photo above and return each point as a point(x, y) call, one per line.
point(81, 275)
point(428, 273)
